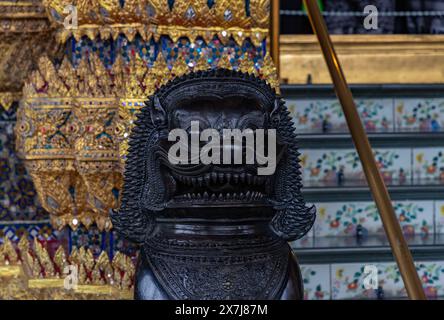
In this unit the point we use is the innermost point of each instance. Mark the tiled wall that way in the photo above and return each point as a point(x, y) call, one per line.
point(339, 220)
point(393, 114)
point(346, 280)
point(397, 165)
point(342, 218)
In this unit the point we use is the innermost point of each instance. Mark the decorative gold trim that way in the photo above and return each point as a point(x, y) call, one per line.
point(256, 35)
point(45, 283)
point(10, 271)
point(365, 58)
point(153, 18)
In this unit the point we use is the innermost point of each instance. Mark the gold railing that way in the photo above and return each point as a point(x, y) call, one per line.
point(376, 183)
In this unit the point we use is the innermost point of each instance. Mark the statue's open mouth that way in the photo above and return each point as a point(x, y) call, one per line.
point(221, 186)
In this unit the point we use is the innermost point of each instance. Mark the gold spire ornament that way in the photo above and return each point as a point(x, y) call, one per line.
point(154, 18)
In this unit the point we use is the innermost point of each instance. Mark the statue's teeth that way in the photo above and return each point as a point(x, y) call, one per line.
point(221, 177)
point(249, 179)
point(207, 179)
point(228, 177)
point(242, 177)
point(214, 177)
point(205, 195)
point(200, 181)
point(235, 178)
point(221, 197)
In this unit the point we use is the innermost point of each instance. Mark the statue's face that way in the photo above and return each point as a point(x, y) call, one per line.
point(261, 180)
point(223, 184)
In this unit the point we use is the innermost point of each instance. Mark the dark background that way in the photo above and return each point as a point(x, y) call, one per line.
point(402, 25)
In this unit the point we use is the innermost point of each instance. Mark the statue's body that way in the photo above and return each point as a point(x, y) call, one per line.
point(213, 231)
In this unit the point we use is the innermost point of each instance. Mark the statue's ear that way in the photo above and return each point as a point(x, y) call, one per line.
point(158, 113)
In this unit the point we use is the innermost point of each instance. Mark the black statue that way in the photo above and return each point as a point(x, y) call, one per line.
point(213, 231)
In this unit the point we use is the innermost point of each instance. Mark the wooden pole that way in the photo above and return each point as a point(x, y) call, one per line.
point(376, 183)
point(274, 34)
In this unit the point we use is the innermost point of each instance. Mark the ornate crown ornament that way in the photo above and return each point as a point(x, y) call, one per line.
point(31, 272)
point(78, 109)
point(239, 19)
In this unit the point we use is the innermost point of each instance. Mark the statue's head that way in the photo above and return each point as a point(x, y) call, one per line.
point(213, 139)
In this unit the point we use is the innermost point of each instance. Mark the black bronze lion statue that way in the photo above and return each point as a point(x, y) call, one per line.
point(213, 231)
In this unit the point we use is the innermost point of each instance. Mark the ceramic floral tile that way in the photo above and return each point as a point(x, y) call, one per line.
point(419, 114)
point(439, 217)
point(343, 219)
point(376, 115)
point(416, 217)
point(347, 281)
point(327, 165)
point(428, 163)
point(310, 115)
point(390, 280)
point(395, 164)
point(326, 114)
point(339, 165)
point(431, 274)
point(316, 281)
